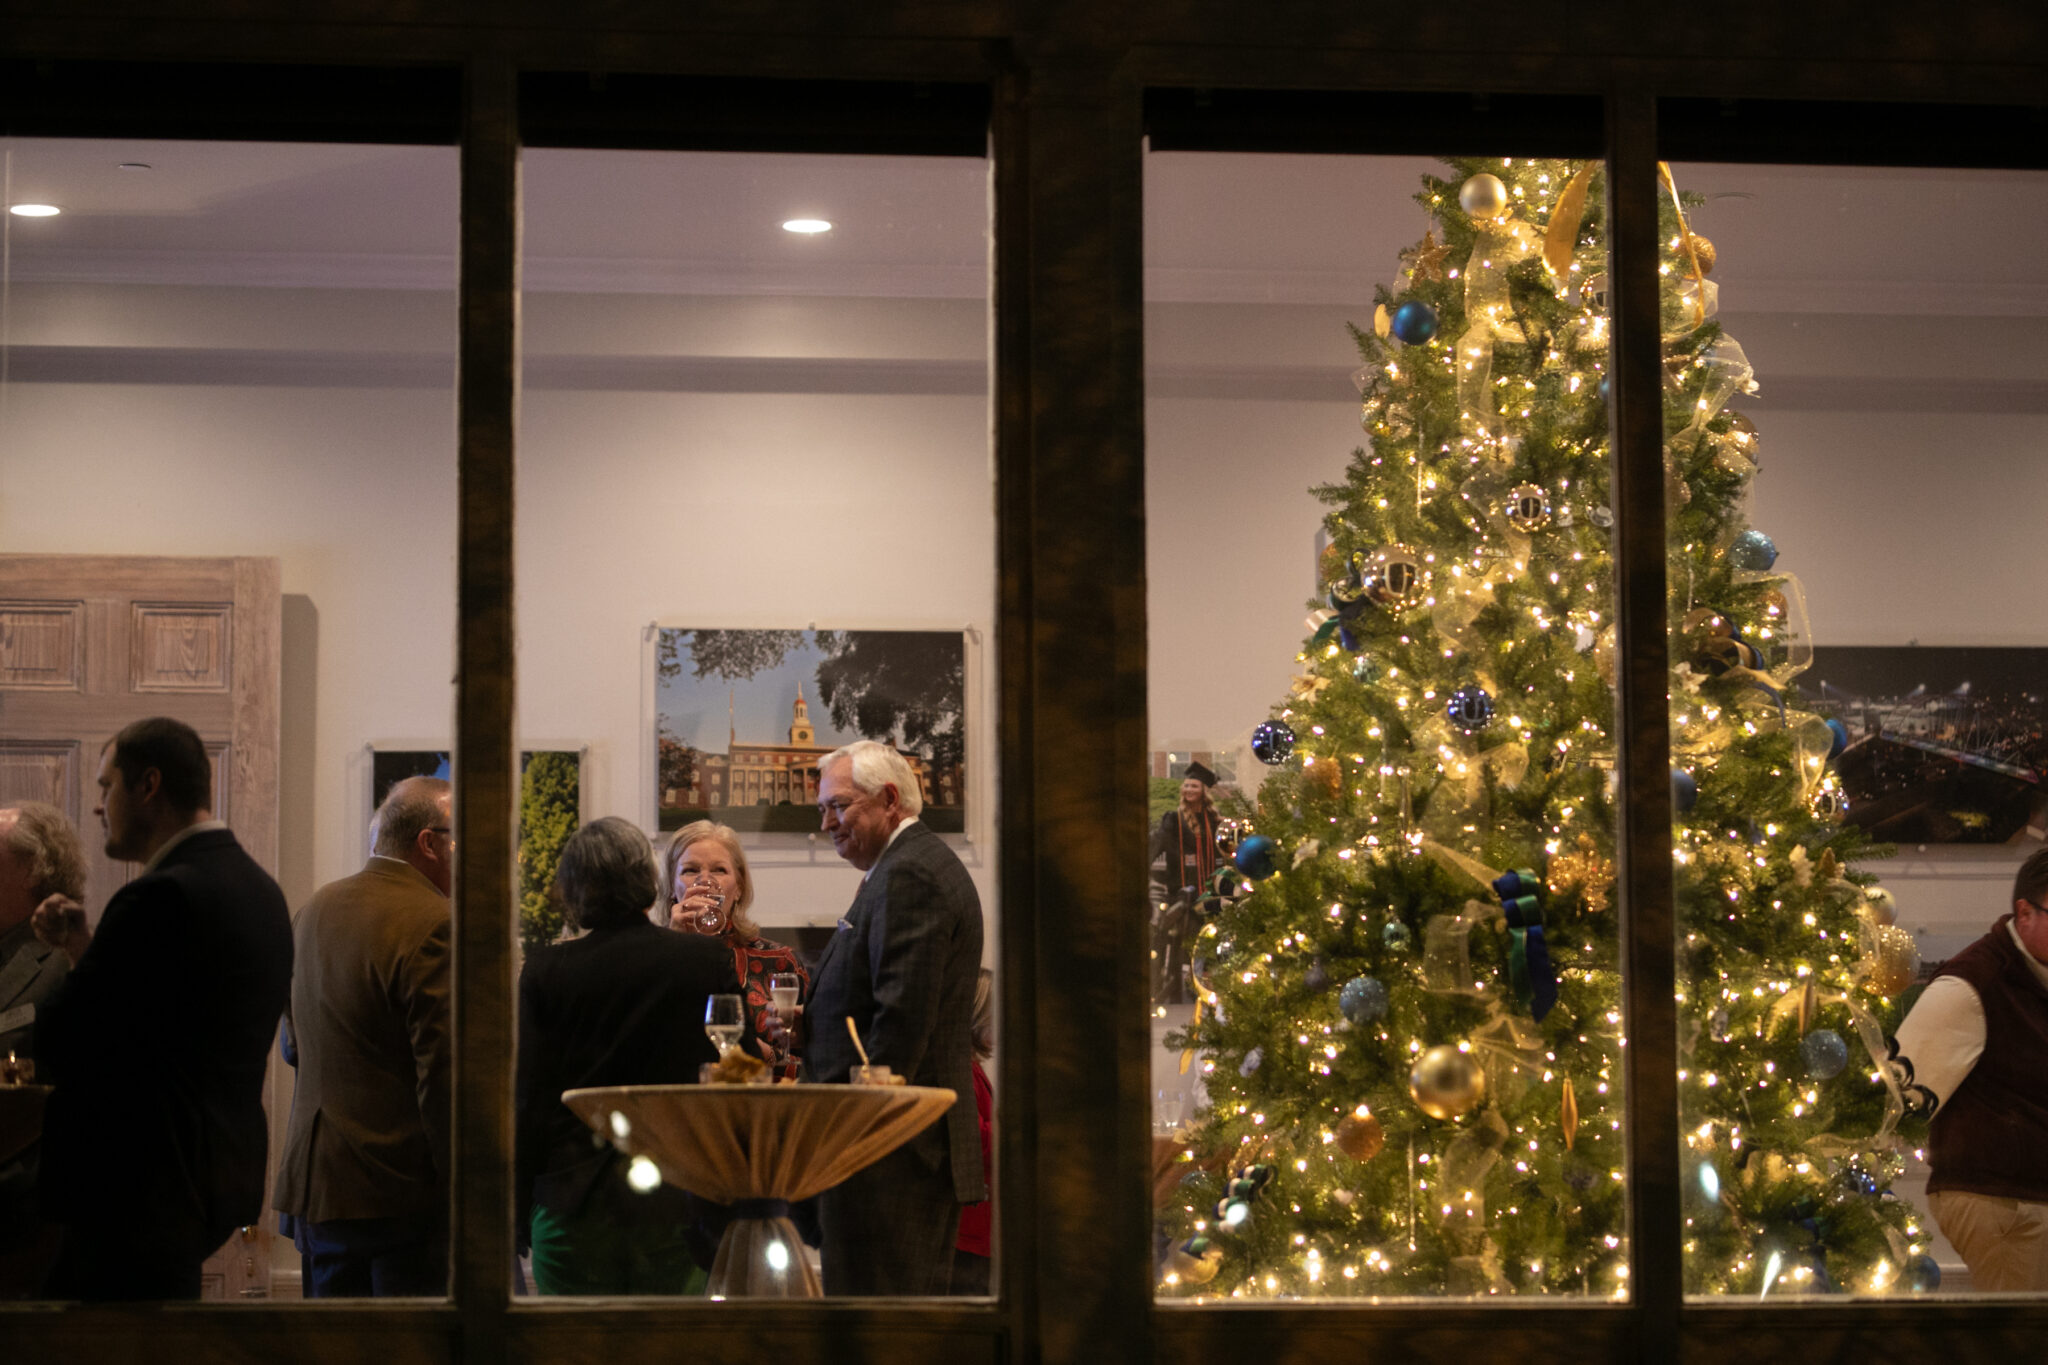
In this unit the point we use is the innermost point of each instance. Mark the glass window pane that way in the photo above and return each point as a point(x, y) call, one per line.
point(758, 525)
point(1853, 419)
point(226, 402)
point(1387, 1015)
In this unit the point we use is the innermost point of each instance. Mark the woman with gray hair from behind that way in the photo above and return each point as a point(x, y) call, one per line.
point(621, 1005)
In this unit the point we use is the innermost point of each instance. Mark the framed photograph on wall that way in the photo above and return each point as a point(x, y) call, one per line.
point(550, 810)
point(1946, 745)
point(742, 718)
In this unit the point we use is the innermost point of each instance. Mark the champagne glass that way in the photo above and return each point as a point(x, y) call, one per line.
point(783, 990)
point(722, 1022)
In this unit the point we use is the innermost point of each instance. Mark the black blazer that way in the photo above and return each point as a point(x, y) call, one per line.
point(157, 1044)
point(619, 1006)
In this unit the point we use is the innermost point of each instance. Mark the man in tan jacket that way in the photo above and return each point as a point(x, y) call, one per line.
point(365, 1170)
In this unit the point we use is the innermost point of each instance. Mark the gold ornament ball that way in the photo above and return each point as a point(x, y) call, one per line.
point(1396, 577)
point(1360, 1137)
point(1703, 251)
point(1483, 196)
point(1893, 961)
point(1879, 907)
point(1446, 1082)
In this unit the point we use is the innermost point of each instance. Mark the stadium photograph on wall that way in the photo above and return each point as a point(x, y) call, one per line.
point(1946, 745)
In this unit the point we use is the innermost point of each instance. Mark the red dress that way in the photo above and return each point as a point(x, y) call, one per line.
point(754, 960)
point(974, 1218)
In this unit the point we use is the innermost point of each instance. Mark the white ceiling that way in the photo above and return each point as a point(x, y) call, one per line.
point(1229, 228)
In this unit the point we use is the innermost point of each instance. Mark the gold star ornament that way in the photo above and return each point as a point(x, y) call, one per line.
point(1425, 260)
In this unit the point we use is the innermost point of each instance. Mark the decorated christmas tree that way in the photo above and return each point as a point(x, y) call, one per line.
point(1410, 1027)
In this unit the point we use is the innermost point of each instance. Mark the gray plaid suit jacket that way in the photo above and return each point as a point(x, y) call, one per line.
point(903, 966)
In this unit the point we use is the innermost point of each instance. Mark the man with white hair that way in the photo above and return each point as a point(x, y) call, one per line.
point(365, 1168)
point(902, 969)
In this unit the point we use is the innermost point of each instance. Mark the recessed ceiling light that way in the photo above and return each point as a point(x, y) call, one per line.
point(36, 210)
point(809, 227)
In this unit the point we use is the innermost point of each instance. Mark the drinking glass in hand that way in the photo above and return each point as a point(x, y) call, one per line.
point(722, 1022)
point(783, 989)
point(711, 910)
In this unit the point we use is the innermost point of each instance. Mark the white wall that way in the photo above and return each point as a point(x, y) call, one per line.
point(702, 498)
point(635, 505)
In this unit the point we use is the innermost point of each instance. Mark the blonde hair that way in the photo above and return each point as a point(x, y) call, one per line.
point(697, 832)
point(44, 839)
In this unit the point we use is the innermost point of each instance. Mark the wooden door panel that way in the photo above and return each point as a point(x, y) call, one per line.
point(89, 643)
point(41, 770)
point(42, 645)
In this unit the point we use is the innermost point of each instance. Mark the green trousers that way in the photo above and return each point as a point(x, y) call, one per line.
point(592, 1252)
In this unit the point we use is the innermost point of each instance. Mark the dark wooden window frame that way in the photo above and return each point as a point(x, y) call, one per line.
point(1068, 88)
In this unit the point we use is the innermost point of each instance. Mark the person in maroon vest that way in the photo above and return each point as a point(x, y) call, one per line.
point(1974, 1050)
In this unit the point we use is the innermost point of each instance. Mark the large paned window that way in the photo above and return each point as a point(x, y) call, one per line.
point(1387, 1000)
point(228, 497)
point(1853, 419)
point(754, 457)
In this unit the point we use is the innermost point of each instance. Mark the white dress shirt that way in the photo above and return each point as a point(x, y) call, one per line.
point(1943, 1036)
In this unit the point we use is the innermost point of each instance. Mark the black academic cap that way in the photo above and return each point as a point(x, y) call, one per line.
point(1201, 773)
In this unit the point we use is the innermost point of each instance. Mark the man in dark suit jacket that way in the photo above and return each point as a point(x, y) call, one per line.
point(365, 1169)
point(902, 968)
point(154, 1141)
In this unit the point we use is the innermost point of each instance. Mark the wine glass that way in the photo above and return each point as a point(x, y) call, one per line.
point(722, 1022)
point(783, 990)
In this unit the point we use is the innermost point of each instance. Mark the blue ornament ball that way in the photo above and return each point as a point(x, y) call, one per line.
point(1363, 1000)
point(1824, 1053)
point(1752, 550)
point(1253, 1060)
point(1317, 978)
point(1272, 742)
point(1923, 1274)
point(1840, 740)
point(1413, 323)
point(1257, 857)
point(1470, 708)
point(1685, 792)
point(1396, 936)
